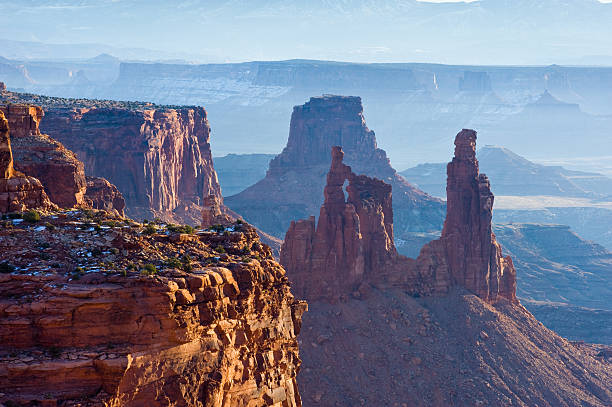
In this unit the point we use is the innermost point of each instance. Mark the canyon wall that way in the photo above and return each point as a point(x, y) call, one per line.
point(138, 330)
point(159, 158)
point(17, 191)
point(293, 186)
point(62, 175)
point(353, 246)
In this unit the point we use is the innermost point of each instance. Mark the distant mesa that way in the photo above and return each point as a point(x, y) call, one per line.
point(293, 186)
point(475, 82)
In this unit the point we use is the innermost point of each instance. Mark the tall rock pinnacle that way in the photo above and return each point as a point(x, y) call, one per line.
point(352, 245)
point(474, 257)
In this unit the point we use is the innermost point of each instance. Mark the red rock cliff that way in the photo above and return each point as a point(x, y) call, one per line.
point(39, 156)
point(160, 159)
point(17, 191)
point(352, 245)
point(293, 186)
point(221, 332)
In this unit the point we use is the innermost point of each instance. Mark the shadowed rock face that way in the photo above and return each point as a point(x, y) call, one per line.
point(17, 191)
point(159, 159)
point(39, 156)
point(293, 186)
point(101, 194)
point(352, 245)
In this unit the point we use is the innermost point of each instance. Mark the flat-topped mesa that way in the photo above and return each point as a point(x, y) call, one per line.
point(39, 156)
point(352, 241)
point(294, 184)
point(323, 122)
point(17, 191)
point(473, 255)
point(352, 246)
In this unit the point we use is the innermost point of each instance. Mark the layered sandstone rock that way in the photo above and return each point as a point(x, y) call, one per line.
point(159, 158)
point(352, 240)
point(293, 186)
point(39, 156)
point(214, 326)
point(352, 245)
point(17, 191)
point(101, 194)
point(212, 212)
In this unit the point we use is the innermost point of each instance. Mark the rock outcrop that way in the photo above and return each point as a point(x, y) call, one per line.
point(143, 316)
point(293, 186)
point(352, 240)
point(353, 246)
point(17, 191)
point(101, 194)
point(39, 156)
point(444, 329)
point(159, 158)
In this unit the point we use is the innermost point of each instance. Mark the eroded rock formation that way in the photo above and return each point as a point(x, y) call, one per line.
point(39, 156)
point(101, 194)
point(159, 158)
point(352, 245)
point(185, 320)
point(444, 329)
point(17, 191)
point(293, 186)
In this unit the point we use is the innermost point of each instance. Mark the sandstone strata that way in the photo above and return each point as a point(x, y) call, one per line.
point(354, 239)
point(17, 191)
point(210, 321)
point(101, 194)
point(293, 186)
point(159, 158)
point(39, 156)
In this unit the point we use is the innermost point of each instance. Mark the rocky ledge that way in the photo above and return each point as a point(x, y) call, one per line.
point(99, 310)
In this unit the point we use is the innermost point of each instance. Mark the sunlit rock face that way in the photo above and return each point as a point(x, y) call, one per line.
point(216, 327)
point(18, 192)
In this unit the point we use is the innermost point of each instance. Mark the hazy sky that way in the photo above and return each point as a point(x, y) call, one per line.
point(481, 32)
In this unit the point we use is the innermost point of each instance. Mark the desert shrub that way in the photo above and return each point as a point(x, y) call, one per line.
point(220, 249)
point(50, 226)
point(217, 228)
point(186, 263)
point(150, 269)
point(149, 229)
point(31, 216)
point(180, 228)
point(173, 262)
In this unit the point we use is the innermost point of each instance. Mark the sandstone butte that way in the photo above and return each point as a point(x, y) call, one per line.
point(444, 329)
point(62, 175)
point(131, 314)
point(158, 157)
point(293, 186)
